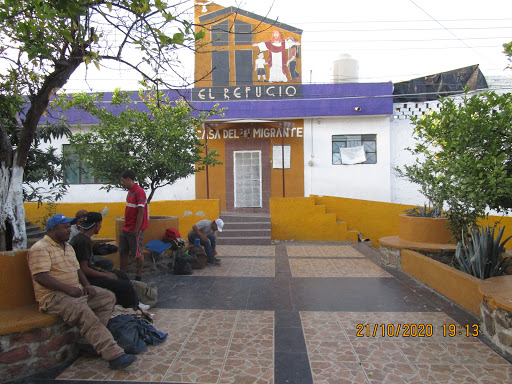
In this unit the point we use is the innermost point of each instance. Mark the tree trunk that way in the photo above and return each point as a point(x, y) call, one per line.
point(13, 209)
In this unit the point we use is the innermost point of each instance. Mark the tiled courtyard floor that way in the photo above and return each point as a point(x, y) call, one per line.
point(300, 313)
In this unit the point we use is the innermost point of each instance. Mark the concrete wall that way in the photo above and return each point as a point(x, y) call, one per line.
point(360, 181)
point(189, 212)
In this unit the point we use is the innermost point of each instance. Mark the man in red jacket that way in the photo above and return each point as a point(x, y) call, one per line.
point(135, 222)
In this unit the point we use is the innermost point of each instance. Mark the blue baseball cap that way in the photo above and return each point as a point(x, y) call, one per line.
point(59, 218)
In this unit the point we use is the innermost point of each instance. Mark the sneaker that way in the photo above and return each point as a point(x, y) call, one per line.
point(144, 307)
point(122, 361)
point(216, 258)
point(215, 263)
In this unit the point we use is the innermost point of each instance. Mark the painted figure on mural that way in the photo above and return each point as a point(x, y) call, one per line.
point(293, 55)
point(277, 56)
point(259, 67)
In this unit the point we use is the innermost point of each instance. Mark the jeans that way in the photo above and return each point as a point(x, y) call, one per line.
point(209, 245)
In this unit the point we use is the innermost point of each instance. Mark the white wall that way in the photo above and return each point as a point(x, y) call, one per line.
point(183, 189)
point(360, 181)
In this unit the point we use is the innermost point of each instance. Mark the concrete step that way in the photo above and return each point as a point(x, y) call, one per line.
point(253, 240)
point(245, 217)
point(244, 232)
point(246, 225)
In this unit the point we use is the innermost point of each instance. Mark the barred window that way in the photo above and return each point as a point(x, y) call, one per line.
point(369, 142)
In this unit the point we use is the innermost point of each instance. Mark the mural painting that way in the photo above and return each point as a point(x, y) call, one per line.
point(277, 59)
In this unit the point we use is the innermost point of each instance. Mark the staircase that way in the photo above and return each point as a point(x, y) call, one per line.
point(245, 229)
point(34, 233)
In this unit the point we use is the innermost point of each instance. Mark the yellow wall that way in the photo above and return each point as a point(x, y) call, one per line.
point(301, 220)
point(373, 219)
point(450, 282)
point(188, 211)
point(289, 216)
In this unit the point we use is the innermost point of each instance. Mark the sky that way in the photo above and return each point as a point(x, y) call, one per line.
point(392, 40)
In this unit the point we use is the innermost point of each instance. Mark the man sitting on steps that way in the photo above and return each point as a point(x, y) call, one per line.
point(61, 288)
point(204, 230)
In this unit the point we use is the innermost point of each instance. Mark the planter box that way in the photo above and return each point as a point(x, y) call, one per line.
point(156, 229)
point(456, 285)
point(424, 230)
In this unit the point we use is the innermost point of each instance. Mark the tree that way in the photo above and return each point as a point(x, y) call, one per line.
point(159, 142)
point(508, 51)
point(42, 43)
point(465, 157)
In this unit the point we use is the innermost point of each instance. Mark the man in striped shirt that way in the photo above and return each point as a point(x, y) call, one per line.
point(61, 288)
point(135, 222)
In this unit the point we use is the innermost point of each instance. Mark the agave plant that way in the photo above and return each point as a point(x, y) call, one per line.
point(425, 211)
point(480, 253)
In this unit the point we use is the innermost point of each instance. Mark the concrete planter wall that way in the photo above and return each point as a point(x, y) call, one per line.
point(156, 228)
point(424, 230)
point(456, 285)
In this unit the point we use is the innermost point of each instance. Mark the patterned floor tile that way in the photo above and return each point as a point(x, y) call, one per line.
point(330, 350)
point(491, 374)
point(189, 369)
point(335, 268)
point(378, 350)
point(427, 353)
point(88, 368)
point(240, 347)
point(248, 371)
point(445, 373)
point(246, 250)
point(337, 372)
point(343, 251)
point(477, 354)
point(391, 373)
point(240, 267)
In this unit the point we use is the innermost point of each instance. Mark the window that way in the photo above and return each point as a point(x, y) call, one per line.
point(369, 142)
point(243, 32)
point(220, 33)
point(74, 172)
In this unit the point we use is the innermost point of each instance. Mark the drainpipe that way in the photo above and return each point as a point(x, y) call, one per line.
point(206, 154)
point(282, 153)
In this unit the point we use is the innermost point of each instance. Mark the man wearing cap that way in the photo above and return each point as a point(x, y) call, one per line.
point(116, 280)
point(61, 288)
point(204, 230)
point(135, 222)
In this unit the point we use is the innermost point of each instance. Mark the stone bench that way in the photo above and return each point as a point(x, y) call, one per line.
point(30, 341)
point(496, 311)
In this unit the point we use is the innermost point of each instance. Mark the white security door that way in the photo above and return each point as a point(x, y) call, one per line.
point(247, 176)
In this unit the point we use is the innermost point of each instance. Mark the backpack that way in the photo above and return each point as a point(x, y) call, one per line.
point(182, 266)
point(200, 260)
point(146, 293)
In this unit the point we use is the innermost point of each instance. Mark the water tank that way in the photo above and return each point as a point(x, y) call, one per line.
point(345, 69)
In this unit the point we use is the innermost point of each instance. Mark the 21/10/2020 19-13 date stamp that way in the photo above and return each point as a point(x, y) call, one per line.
point(417, 330)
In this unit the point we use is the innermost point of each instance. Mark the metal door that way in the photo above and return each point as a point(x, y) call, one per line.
point(247, 178)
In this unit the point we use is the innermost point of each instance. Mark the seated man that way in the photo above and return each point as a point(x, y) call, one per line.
point(101, 262)
point(61, 288)
point(75, 230)
point(115, 280)
point(205, 231)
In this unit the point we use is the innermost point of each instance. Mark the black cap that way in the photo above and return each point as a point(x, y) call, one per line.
point(90, 219)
